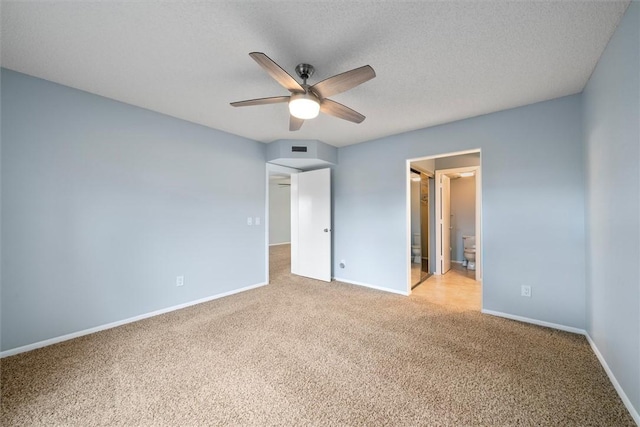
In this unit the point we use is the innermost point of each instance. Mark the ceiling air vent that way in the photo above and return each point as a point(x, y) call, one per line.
point(298, 149)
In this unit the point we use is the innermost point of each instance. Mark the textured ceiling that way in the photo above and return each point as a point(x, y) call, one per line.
point(436, 62)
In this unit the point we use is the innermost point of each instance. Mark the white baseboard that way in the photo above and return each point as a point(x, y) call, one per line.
point(614, 381)
point(457, 262)
point(73, 335)
point(535, 322)
point(278, 244)
point(366, 285)
point(601, 359)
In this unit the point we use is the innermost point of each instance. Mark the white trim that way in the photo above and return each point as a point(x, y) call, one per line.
point(278, 244)
point(366, 285)
point(456, 262)
point(535, 322)
point(614, 381)
point(73, 335)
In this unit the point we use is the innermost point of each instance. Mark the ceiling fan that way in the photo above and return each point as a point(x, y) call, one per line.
point(305, 101)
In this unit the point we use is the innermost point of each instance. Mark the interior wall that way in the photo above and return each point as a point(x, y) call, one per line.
point(463, 208)
point(457, 161)
point(104, 204)
point(532, 177)
point(279, 213)
point(612, 140)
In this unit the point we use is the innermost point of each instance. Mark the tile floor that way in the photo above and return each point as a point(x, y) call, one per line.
point(456, 289)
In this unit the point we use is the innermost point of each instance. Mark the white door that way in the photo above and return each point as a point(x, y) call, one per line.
point(445, 224)
point(311, 224)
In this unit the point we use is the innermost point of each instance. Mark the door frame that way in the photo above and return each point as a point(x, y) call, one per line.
point(271, 169)
point(479, 231)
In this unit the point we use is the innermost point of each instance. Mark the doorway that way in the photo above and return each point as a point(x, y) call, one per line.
point(458, 217)
point(278, 216)
point(450, 226)
point(307, 206)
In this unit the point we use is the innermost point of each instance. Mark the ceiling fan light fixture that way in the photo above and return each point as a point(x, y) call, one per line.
point(305, 101)
point(304, 106)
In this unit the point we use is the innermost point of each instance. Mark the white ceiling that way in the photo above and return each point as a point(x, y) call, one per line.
point(436, 62)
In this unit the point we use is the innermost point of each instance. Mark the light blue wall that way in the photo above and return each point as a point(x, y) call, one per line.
point(532, 188)
point(104, 204)
point(612, 138)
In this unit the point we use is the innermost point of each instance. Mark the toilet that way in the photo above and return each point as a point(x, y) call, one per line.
point(416, 253)
point(469, 244)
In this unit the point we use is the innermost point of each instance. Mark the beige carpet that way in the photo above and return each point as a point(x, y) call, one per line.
point(301, 352)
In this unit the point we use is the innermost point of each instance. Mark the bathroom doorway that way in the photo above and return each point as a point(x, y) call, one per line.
point(464, 227)
point(458, 220)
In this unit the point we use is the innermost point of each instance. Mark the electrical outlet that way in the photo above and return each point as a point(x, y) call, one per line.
point(179, 280)
point(257, 221)
point(525, 291)
point(249, 221)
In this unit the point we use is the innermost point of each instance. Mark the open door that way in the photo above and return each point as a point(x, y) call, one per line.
point(311, 224)
point(443, 223)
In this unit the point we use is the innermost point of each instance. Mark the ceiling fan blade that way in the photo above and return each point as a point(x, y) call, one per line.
point(295, 123)
point(261, 101)
point(340, 111)
point(275, 71)
point(343, 82)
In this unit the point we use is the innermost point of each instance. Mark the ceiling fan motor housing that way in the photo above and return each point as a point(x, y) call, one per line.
point(304, 71)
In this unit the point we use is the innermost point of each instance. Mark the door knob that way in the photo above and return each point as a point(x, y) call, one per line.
point(326, 230)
